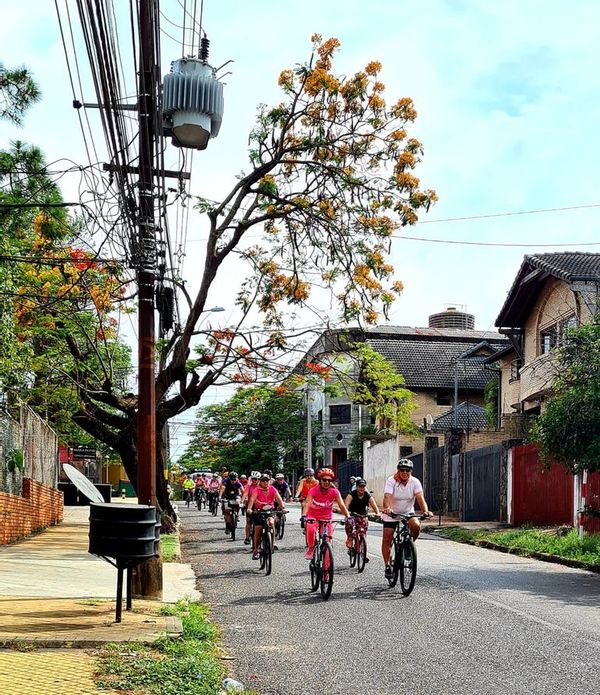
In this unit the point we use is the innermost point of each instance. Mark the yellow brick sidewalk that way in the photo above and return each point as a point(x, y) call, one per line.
point(48, 672)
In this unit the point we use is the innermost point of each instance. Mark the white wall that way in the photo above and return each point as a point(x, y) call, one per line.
point(380, 461)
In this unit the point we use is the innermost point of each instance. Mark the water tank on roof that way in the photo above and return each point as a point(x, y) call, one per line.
point(452, 317)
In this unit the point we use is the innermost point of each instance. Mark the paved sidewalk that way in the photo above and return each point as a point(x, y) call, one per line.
point(53, 593)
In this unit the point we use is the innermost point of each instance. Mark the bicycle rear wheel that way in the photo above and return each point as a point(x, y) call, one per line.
point(315, 569)
point(408, 566)
point(266, 553)
point(326, 571)
point(394, 562)
point(361, 554)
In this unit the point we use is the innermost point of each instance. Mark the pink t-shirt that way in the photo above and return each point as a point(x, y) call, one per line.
point(264, 498)
point(321, 503)
point(249, 489)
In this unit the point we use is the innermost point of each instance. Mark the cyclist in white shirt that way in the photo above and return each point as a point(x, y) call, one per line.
point(399, 495)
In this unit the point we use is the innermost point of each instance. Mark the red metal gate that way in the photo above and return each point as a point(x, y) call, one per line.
point(542, 496)
point(592, 498)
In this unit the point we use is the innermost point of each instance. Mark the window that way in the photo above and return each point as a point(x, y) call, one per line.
point(443, 397)
point(555, 334)
point(340, 414)
point(405, 451)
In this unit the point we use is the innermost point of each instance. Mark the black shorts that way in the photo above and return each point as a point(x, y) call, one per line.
point(260, 519)
point(390, 524)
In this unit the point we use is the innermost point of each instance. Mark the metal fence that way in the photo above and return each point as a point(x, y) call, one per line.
point(28, 449)
point(345, 470)
point(481, 484)
point(435, 494)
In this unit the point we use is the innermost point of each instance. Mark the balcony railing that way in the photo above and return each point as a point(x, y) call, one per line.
point(537, 376)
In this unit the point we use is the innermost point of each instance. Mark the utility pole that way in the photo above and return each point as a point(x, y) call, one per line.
point(148, 575)
point(308, 428)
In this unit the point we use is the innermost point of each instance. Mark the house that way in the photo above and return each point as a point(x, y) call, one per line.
point(442, 364)
point(551, 293)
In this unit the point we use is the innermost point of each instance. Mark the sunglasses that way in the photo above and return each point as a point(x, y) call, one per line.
point(404, 470)
point(362, 485)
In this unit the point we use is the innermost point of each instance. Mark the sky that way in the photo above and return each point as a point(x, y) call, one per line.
point(508, 102)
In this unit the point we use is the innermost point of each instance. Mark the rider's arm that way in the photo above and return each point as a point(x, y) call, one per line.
point(221, 490)
point(420, 497)
point(373, 505)
point(387, 502)
point(342, 507)
point(307, 504)
point(348, 500)
point(299, 487)
point(279, 501)
point(251, 503)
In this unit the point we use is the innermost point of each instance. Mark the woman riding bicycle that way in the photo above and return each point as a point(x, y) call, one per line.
point(264, 497)
point(249, 489)
point(318, 506)
point(399, 495)
point(305, 484)
point(358, 502)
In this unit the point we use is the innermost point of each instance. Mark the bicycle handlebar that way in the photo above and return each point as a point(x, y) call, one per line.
point(406, 517)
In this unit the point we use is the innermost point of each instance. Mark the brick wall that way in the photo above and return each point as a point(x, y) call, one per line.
point(477, 440)
point(39, 507)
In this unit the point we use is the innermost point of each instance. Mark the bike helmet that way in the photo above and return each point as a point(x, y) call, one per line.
point(255, 474)
point(280, 476)
point(265, 476)
point(268, 472)
point(326, 473)
point(405, 463)
point(243, 476)
point(352, 479)
point(233, 475)
point(308, 472)
point(360, 481)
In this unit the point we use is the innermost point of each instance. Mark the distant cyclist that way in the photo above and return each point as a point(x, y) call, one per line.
point(318, 506)
point(399, 495)
point(188, 488)
point(231, 490)
point(359, 502)
point(282, 487)
point(305, 484)
point(249, 489)
point(265, 496)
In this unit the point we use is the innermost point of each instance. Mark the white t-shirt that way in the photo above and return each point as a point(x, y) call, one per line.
point(403, 496)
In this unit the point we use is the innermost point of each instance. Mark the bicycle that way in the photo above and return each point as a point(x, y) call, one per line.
point(213, 503)
point(234, 514)
point(189, 497)
point(403, 553)
point(358, 550)
point(265, 549)
point(200, 498)
point(321, 565)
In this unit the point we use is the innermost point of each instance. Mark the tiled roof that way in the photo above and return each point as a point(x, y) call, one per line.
point(468, 417)
point(427, 363)
point(568, 265)
point(449, 333)
point(533, 273)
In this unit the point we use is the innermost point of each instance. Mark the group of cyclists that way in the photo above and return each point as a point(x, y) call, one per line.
point(318, 496)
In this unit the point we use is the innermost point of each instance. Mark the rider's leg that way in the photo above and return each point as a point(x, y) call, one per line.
point(386, 544)
point(257, 533)
point(248, 518)
point(311, 532)
point(227, 515)
point(415, 527)
point(349, 526)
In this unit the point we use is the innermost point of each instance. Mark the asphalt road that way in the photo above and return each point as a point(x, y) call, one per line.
point(478, 622)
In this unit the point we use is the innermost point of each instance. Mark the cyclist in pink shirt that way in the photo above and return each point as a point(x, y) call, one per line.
point(264, 497)
point(319, 506)
point(248, 492)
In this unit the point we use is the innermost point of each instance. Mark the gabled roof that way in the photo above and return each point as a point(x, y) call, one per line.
point(569, 266)
point(425, 357)
point(466, 416)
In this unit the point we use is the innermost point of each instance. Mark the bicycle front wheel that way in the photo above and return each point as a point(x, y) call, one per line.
point(315, 569)
point(326, 571)
point(408, 566)
point(281, 527)
point(234, 523)
point(267, 553)
point(361, 554)
point(394, 563)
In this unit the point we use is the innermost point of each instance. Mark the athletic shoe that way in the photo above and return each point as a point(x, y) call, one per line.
point(308, 554)
point(255, 556)
point(275, 547)
point(366, 560)
point(246, 541)
point(227, 532)
point(388, 572)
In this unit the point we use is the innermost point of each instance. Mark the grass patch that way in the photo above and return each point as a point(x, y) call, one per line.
point(186, 666)
point(168, 544)
point(529, 540)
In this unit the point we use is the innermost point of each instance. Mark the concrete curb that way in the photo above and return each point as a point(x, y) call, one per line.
point(536, 555)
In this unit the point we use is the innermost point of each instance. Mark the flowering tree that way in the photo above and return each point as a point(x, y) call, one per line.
point(331, 177)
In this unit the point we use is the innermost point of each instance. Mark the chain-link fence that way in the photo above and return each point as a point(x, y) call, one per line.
point(27, 449)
